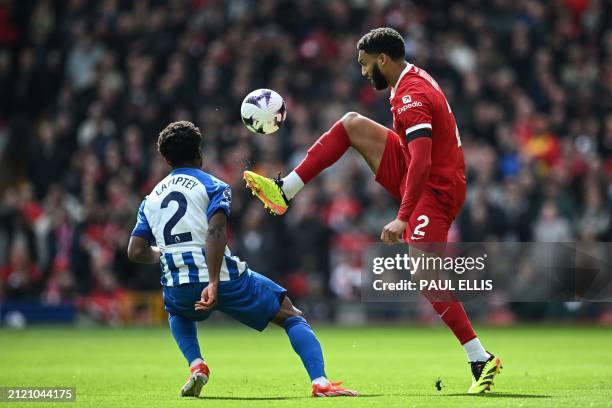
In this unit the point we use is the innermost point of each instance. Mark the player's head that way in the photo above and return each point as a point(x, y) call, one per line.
point(378, 51)
point(180, 144)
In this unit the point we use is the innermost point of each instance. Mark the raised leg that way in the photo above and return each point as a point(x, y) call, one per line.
point(353, 130)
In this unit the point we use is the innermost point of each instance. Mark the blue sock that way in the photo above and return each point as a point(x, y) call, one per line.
point(185, 334)
point(306, 345)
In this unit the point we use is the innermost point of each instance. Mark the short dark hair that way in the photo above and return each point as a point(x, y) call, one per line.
point(383, 40)
point(180, 142)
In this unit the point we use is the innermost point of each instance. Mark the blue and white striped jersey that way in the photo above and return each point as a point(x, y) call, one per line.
point(174, 216)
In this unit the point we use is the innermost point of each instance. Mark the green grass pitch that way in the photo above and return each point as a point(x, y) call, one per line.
point(390, 366)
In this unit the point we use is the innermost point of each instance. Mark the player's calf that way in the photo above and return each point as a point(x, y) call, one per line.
point(307, 346)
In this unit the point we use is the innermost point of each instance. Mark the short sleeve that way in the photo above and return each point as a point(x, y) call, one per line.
point(142, 228)
point(220, 198)
point(414, 115)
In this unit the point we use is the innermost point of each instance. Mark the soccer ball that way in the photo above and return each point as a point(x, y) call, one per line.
point(263, 111)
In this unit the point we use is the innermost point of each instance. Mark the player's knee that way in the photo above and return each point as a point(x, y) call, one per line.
point(351, 121)
point(288, 312)
point(297, 312)
point(289, 309)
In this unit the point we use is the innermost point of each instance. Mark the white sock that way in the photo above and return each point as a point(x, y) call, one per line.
point(292, 184)
point(196, 362)
point(475, 351)
point(322, 381)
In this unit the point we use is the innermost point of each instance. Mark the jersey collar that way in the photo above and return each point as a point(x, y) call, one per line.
point(404, 72)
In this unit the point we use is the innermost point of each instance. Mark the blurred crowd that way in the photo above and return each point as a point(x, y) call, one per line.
point(87, 86)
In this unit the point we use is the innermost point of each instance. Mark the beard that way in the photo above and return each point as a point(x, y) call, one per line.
point(378, 80)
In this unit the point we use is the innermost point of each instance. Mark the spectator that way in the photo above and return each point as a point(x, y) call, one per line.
point(20, 275)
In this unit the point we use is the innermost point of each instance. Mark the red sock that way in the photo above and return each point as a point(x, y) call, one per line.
point(324, 152)
point(454, 316)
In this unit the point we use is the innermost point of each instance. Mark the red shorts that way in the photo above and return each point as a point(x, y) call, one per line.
point(434, 212)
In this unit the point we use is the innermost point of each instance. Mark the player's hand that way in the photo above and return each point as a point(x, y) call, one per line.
point(392, 232)
point(208, 298)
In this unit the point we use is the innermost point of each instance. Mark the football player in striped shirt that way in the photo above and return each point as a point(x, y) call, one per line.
point(182, 225)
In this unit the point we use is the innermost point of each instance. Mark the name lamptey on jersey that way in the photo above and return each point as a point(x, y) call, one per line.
point(174, 217)
point(420, 109)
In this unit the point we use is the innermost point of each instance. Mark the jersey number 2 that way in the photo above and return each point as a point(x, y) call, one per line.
point(169, 237)
point(424, 222)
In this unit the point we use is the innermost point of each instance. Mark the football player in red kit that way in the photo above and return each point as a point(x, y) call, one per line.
point(420, 163)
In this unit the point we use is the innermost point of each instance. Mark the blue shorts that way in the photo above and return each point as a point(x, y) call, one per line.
point(252, 299)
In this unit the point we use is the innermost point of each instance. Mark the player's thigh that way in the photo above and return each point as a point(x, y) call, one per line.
point(427, 233)
point(430, 272)
point(252, 299)
point(286, 311)
point(427, 241)
point(180, 300)
point(424, 268)
point(368, 137)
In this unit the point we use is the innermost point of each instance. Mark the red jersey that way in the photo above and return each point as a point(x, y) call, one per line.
point(420, 110)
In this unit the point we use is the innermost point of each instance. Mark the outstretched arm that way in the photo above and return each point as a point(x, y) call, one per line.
point(139, 250)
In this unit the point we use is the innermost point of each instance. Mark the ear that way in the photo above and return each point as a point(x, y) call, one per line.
point(382, 59)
